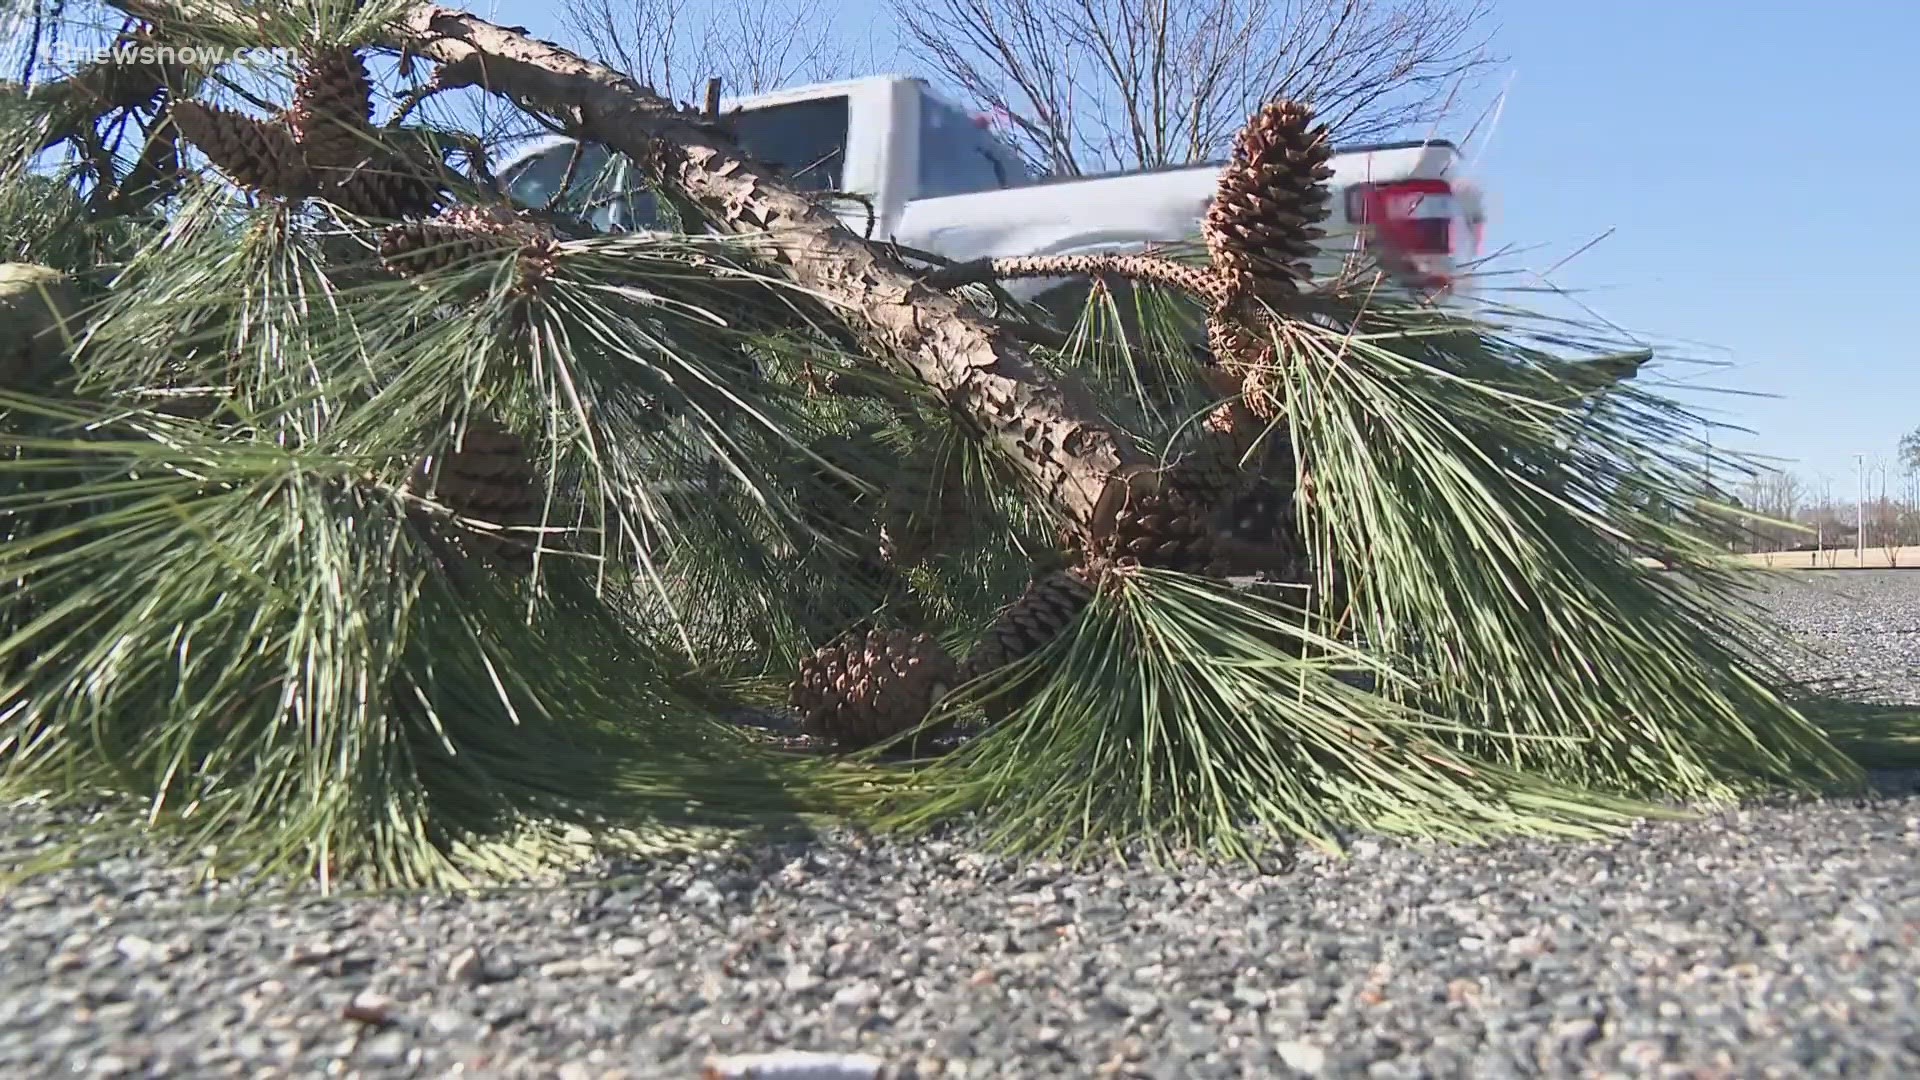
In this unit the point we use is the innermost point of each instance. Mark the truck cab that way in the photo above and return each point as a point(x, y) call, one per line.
point(888, 139)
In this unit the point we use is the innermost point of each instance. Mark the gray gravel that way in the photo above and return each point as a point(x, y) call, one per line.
point(1864, 625)
point(1778, 941)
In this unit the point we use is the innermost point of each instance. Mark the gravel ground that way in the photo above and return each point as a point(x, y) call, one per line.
point(1778, 941)
point(1865, 624)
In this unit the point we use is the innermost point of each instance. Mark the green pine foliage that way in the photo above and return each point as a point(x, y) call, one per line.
point(235, 608)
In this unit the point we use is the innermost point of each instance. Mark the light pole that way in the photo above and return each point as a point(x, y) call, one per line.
point(1820, 519)
point(1860, 513)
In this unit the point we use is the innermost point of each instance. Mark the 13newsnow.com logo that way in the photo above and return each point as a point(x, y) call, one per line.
point(146, 53)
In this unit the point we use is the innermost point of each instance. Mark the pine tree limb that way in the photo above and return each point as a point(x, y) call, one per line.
point(1067, 452)
point(1071, 458)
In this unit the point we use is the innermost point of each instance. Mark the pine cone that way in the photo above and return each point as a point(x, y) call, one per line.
point(459, 235)
point(1272, 195)
point(863, 689)
point(926, 511)
point(1049, 606)
point(1211, 473)
point(489, 477)
point(1167, 529)
point(332, 111)
point(258, 155)
point(388, 185)
point(1241, 341)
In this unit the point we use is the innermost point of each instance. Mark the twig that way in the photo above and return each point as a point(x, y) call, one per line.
point(566, 178)
point(903, 252)
point(873, 214)
point(1197, 281)
point(157, 171)
point(78, 101)
point(1035, 334)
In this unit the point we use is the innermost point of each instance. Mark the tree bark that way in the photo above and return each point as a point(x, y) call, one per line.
point(1072, 459)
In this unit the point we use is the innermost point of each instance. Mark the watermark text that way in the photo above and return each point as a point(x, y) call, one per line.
point(147, 53)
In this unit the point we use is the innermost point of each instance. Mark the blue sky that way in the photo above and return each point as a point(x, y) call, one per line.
point(1739, 152)
point(1749, 162)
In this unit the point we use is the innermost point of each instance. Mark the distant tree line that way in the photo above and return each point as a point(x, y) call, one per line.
point(1804, 517)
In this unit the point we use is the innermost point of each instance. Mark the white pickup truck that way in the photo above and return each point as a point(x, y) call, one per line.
point(938, 179)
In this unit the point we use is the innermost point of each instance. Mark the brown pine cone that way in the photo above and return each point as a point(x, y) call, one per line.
point(387, 186)
point(258, 155)
point(865, 688)
point(1047, 607)
point(459, 235)
point(332, 111)
point(489, 476)
point(1167, 529)
point(1263, 224)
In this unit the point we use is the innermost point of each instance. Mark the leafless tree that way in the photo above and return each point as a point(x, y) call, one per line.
point(1090, 85)
point(1883, 525)
point(1910, 508)
point(1779, 496)
point(675, 46)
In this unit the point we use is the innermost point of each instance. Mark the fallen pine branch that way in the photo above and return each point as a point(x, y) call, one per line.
point(1048, 431)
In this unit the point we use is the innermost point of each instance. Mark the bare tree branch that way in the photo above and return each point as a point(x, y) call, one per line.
point(1092, 85)
point(673, 47)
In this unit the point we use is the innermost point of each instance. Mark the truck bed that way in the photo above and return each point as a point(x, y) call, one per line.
point(1125, 211)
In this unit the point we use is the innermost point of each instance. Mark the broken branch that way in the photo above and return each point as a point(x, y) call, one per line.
point(1067, 454)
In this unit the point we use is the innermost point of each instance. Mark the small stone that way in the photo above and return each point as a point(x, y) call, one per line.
point(800, 978)
point(62, 962)
point(1131, 1001)
point(467, 967)
point(627, 947)
point(856, 996)
point(386, 1048)
point(1643, 1054)
point(1576, 1032)
point(135, 949)
point(1301, 1056)
point(303, 953)
point(367, 1007)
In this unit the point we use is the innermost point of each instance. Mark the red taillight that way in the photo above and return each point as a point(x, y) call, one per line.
point(1407, 217)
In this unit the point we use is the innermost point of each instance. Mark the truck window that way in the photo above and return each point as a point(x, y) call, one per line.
point(958, 156)
point(805, 142)
point(591, 195)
